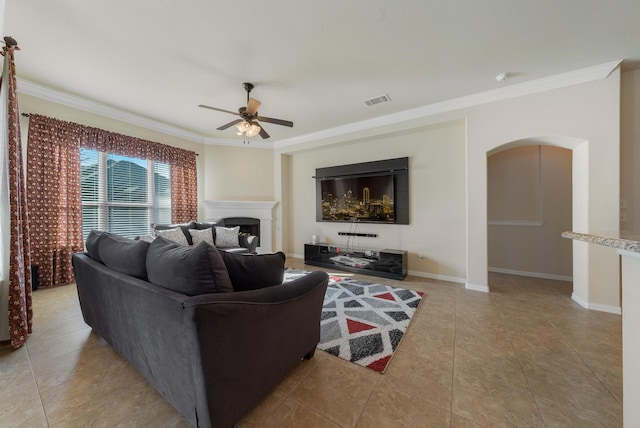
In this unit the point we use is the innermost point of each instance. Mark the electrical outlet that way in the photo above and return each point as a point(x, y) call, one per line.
point(420, 256)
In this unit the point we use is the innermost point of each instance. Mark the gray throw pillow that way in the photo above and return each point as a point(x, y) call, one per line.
point(176, 235)
point(183, 226)
point(251, 272)
point(124, 255)
point(198, 236)
point(227, 236)
point(191, 270)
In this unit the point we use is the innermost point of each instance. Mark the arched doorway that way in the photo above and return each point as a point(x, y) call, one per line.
point(477, 261)
point(529, 200)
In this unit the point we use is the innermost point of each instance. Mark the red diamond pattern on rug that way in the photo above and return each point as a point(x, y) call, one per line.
point(363, 322)
point(357, 326)
point(386, 296)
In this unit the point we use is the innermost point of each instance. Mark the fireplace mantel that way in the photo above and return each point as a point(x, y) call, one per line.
point(262, 210)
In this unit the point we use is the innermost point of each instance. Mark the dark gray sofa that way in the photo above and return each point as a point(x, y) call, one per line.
point(213, 356)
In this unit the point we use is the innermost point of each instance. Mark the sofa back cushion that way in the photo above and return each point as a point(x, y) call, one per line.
point(189, 270)
point(122, 254)
point(91, 244)
point(254, 271)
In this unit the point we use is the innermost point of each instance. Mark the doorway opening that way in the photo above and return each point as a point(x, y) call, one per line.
point(529, 205)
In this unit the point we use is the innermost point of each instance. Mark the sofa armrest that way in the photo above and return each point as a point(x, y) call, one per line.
point(250, 340)
point(249, 242)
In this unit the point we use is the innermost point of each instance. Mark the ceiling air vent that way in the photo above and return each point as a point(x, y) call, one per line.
point(377, 100)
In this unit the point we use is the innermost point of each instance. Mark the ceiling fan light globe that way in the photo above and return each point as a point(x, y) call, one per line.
point(243, 127)
point(253, 130)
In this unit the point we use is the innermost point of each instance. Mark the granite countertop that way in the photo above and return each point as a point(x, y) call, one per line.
point(623, 241)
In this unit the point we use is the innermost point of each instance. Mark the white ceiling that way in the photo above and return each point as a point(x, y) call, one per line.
point(313, 62)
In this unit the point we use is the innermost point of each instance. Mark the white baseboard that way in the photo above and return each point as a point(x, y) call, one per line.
point(596, 306)
point(477, 287)
point(531, 274)
point(436, 276)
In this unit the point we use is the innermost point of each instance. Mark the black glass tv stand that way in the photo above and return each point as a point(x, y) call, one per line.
point(385, 263)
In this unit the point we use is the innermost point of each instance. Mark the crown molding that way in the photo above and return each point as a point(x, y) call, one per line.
point(30, 88)
point(583, 75)
point(557, 81)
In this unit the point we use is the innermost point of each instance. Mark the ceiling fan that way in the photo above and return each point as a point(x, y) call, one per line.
point(247, 124)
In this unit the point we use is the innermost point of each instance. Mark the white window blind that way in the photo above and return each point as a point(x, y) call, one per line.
point(123, 195)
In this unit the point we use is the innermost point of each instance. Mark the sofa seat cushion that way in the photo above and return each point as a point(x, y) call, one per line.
point(122, 254)
point(190, 270)
point(235, 250)
point(254, 271)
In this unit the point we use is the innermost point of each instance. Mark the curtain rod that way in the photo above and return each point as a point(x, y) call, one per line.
point(29, 115)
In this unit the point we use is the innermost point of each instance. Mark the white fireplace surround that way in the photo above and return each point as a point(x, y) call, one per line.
point(262, 210)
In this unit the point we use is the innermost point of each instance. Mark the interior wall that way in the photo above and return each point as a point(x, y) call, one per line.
point(286, 202)
point(630, 153)
point(589, 115)
point(530, 200)
point(238, 173)
point(437, 197)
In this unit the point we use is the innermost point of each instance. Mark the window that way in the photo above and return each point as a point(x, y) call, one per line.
point(123, 195)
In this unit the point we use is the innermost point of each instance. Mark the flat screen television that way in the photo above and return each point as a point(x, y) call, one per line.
point(358, 199)
point(368, 192)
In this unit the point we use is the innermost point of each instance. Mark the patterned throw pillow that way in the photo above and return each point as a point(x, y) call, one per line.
point(227, 236)
point(176, 235)
point(198, 236)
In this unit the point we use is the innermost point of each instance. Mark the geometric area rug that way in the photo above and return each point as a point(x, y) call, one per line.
point(363, 322)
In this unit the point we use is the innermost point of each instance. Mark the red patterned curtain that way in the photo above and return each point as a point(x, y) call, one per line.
point(53, 165)
point(54, 183)
point(19, 275)
point(184, 190)
point(184, 187)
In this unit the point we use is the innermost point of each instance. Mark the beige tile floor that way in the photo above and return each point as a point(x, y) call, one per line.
point(522, 355)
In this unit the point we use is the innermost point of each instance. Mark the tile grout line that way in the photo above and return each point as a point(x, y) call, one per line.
point(35, 381)
point(579, 354)
point(375, 385)
point(453, 358)
point(531, 391)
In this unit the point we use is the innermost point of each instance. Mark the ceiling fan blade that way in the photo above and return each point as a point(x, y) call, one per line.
point(219, 109)
point(276, 121)
point(263, 133)
point(227, 125)
point(252, 106)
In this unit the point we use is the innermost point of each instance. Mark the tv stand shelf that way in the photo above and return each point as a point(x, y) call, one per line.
point(385, 263)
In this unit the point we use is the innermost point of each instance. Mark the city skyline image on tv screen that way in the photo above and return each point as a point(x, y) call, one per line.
point(366, 199)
